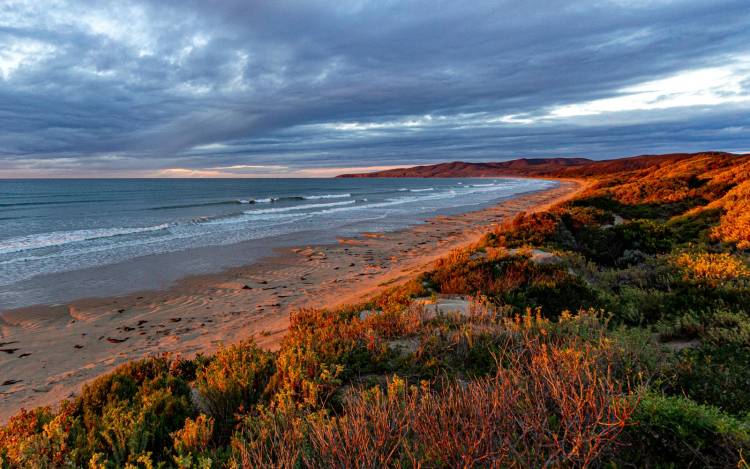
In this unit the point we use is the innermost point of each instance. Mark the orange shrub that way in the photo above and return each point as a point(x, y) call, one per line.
point(734, 226)
point(195, 436)
point(711, 268)
point(16, 437)
point(524, 229)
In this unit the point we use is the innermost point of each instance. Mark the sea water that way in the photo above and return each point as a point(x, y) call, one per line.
point(66, 239)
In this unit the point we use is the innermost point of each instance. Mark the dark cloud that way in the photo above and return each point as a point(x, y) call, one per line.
point(138, 87)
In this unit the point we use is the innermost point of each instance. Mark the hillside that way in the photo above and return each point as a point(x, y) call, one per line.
point(611, 330)
point(541, 167)
point(524, 166)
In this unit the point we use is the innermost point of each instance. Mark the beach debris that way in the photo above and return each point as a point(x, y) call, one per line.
point(24, 355)
point(8, 350)
point(247, 287)
point(78, 346)
point(113, 340)
point(175, 319)
point(9, 382)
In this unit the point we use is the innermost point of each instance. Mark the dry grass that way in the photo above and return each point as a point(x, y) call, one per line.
point(547, 406)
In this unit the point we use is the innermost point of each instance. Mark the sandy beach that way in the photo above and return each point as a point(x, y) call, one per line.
point(47, 353)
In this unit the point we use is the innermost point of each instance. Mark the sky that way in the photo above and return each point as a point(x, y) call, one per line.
point(244, 88)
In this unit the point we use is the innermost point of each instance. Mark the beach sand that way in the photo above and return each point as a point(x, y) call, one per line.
point(48, 353)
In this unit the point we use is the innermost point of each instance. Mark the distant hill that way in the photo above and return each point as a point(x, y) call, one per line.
point(542, 167)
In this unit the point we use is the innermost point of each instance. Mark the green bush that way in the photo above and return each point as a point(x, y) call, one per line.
point(716, 375)
point(694, 227)
point(516, 280)
point(233, 381)
point(677, 432)
point(133, 410)
point(608, 246)
point(637, 306)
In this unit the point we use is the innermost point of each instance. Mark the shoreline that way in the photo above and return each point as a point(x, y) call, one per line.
point(50, 351)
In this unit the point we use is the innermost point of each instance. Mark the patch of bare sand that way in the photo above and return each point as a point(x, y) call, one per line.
point(47, 353)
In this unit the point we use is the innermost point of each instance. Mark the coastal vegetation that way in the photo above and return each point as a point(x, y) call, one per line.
point(611, 330)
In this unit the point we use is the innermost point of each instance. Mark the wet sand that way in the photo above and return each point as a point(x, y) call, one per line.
point(47, 353)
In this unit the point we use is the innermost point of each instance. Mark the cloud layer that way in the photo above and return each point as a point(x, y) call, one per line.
point(237, 87)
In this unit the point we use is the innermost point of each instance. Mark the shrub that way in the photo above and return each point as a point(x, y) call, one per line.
point(194, 436)
point(19, 438)
point(233, 380)
point(515, 280)
point(398, 297)
point(715, 375)
point(535, 229)
point(550, 405)
point(677, 432)
point(711, 268)
point(577, 218)
point(271, 438)
point(133, 410)
point(192, 441)
point(695, 225)
point(734, 226)
point(607, 246)
point(483, 422)
point(637, 306)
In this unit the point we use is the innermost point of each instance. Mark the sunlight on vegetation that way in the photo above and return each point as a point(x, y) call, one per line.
point(605, 332)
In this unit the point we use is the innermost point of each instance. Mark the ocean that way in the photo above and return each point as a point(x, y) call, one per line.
point(67, 239)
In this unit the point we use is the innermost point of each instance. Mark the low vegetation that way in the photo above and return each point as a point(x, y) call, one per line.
point(610, 331)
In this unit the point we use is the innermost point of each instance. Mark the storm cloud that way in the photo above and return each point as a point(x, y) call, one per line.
point(259, 88)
